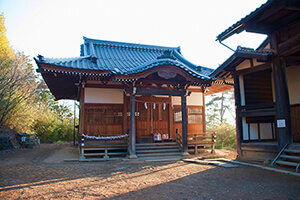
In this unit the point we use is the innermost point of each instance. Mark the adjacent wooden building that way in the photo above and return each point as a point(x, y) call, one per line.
point(266, 80)
point(133, 89)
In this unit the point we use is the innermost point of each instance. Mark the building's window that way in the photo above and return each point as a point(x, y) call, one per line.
point(103, 114)
point(177, 115)
point(195, 115)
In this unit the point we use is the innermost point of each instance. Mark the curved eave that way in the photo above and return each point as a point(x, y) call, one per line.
point(55, 68)
point(240, 25)
point(166, 62)
point(164, 69)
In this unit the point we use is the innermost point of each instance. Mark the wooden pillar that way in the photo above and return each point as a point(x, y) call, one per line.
point(184, 126)
point(124, 114)
point(283, 113)
point(239, 129)
point(132, 133)
point(203, 110)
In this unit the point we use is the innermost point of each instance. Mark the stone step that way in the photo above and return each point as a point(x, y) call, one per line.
point(159, 154)
point(103, 154)
point(156, 144)
point(158, 151)
point(156, 147)
point(161, 158)
point(102, 148)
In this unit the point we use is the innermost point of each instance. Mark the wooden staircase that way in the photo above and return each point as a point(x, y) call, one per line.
point(158, 151)
point(289, 156)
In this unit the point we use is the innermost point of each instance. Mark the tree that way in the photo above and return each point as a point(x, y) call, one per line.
point(6, 52)
point(26, 104)
point(219, 106)
point(17, 82)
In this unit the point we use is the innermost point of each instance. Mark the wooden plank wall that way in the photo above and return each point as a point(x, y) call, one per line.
point(295, 117)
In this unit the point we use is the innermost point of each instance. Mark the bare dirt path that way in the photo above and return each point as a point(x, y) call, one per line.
point(41, 173)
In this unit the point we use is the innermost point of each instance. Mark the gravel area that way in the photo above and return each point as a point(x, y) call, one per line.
point(42, 173)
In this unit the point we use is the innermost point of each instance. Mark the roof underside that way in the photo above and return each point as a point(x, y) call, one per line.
point(270, 16)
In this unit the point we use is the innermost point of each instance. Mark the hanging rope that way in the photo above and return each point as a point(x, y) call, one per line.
point(104, 137)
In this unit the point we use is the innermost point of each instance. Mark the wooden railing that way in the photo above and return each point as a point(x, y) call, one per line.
point(86, 144)
point(202, 139)
point(198, 139)
point(178, 139)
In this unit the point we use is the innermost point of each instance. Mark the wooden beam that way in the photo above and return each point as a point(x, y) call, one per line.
point(258, 112)
point(144, 91)
point(290, 46)
point(292, 60)
point(253, 69)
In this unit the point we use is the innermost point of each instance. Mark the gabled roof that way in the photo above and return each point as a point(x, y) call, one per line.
point(269, 16)
point(125, 59)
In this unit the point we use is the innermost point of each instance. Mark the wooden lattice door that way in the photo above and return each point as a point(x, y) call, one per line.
point(103, 119)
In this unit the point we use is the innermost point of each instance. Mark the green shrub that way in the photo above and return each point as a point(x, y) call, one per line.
point(53, 131)
point(226, 136)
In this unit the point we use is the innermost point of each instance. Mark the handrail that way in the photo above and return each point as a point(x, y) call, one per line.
point(178, 139)
point(203, 137)
point(273, 164)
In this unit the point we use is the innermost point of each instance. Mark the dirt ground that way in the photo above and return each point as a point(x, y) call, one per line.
point(42, 173)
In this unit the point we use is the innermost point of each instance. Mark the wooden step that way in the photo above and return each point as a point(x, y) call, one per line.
point(286, 163)
point(292, 151)
point(290, 157)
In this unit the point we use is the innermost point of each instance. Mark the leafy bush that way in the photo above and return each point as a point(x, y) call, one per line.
point(226, 136)
point(53, 131)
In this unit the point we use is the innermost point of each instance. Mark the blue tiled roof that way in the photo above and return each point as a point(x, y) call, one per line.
point(126, 58)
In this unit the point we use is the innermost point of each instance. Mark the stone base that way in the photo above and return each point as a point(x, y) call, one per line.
point(185, 155)
point(132, 157)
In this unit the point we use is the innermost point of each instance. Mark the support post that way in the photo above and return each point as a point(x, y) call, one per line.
point(283, 112)
point(132, 154)
point(184, 126)
point(239, 130)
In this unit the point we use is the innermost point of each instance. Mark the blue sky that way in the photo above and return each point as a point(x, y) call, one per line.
point(55, 28)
